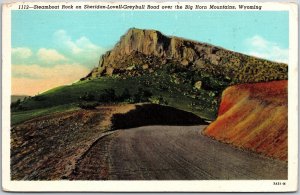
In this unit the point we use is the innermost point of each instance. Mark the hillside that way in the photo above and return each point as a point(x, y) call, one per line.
point(159, 89)
point(255, 117)
point(147, 66)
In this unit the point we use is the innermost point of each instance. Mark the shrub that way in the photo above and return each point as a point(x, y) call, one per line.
point(125, 96)
point(158, 100)
point(107, 95)
point(142, 95)
point(88, 105)
point(18, 105)
point(15, 104)
point(87, 97)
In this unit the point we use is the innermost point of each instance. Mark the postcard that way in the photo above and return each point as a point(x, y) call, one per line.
point(150, 97)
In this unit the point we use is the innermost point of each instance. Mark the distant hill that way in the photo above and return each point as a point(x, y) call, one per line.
point(255, 117)
point(15, 98)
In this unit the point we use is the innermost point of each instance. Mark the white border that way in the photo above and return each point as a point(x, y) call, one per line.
point(158, 186)
point(266, 6)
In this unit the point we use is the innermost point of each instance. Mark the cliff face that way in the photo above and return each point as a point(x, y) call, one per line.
point(150, 49)
point(255, 117)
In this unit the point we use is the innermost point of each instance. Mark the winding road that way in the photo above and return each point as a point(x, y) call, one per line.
point(171, 153)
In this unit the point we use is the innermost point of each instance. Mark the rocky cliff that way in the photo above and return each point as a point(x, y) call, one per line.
point(255, 117)
point(149, 49)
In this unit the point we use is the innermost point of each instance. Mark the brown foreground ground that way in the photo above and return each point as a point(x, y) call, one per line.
point(77, 145)
point(47, 148)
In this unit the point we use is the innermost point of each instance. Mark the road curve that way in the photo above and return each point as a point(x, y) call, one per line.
point(171, 153)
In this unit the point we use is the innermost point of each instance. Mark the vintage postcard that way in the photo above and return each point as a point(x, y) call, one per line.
point(150, 97)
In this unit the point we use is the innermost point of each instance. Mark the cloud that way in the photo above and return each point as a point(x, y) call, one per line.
point(68, 60)
point(44, 56)
point(50, 55)
point(81, 50)
point(64, 41)
point(34, 79)
point(21, 52)
point(25, 71)
point(261, 47)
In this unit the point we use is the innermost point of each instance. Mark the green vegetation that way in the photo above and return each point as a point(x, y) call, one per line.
point(88, 105)
point(165, 86)
point(21, 116)
point(239, 68)
point(195, 87)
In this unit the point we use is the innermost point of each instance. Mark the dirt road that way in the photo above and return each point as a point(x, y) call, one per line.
point(171, 153)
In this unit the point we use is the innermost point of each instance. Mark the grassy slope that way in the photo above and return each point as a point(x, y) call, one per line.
point(179, 95)
point(21, 116)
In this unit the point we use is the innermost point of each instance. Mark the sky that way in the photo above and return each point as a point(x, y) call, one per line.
point(53, 48)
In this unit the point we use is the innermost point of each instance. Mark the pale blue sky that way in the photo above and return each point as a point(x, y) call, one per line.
point(55, 39)
point(226, 29)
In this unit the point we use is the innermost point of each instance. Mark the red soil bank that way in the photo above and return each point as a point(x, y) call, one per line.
point(254, 116)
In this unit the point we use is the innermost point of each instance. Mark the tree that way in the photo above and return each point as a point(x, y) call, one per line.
point(125, 95)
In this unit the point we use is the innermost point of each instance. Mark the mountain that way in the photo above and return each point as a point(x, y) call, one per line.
point(143, 51)
point(255, 117)
point(152, 79)
point(147, 66)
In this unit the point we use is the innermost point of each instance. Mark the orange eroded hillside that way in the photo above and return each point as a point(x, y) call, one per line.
point(254, 116)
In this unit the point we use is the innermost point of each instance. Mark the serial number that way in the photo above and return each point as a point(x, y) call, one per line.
point(278, 183)
point(23, 6)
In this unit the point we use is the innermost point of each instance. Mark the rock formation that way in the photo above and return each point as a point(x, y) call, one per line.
point(150, 49)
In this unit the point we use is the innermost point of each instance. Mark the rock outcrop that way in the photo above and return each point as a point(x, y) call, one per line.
point(255, 117)
point(150, 49)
